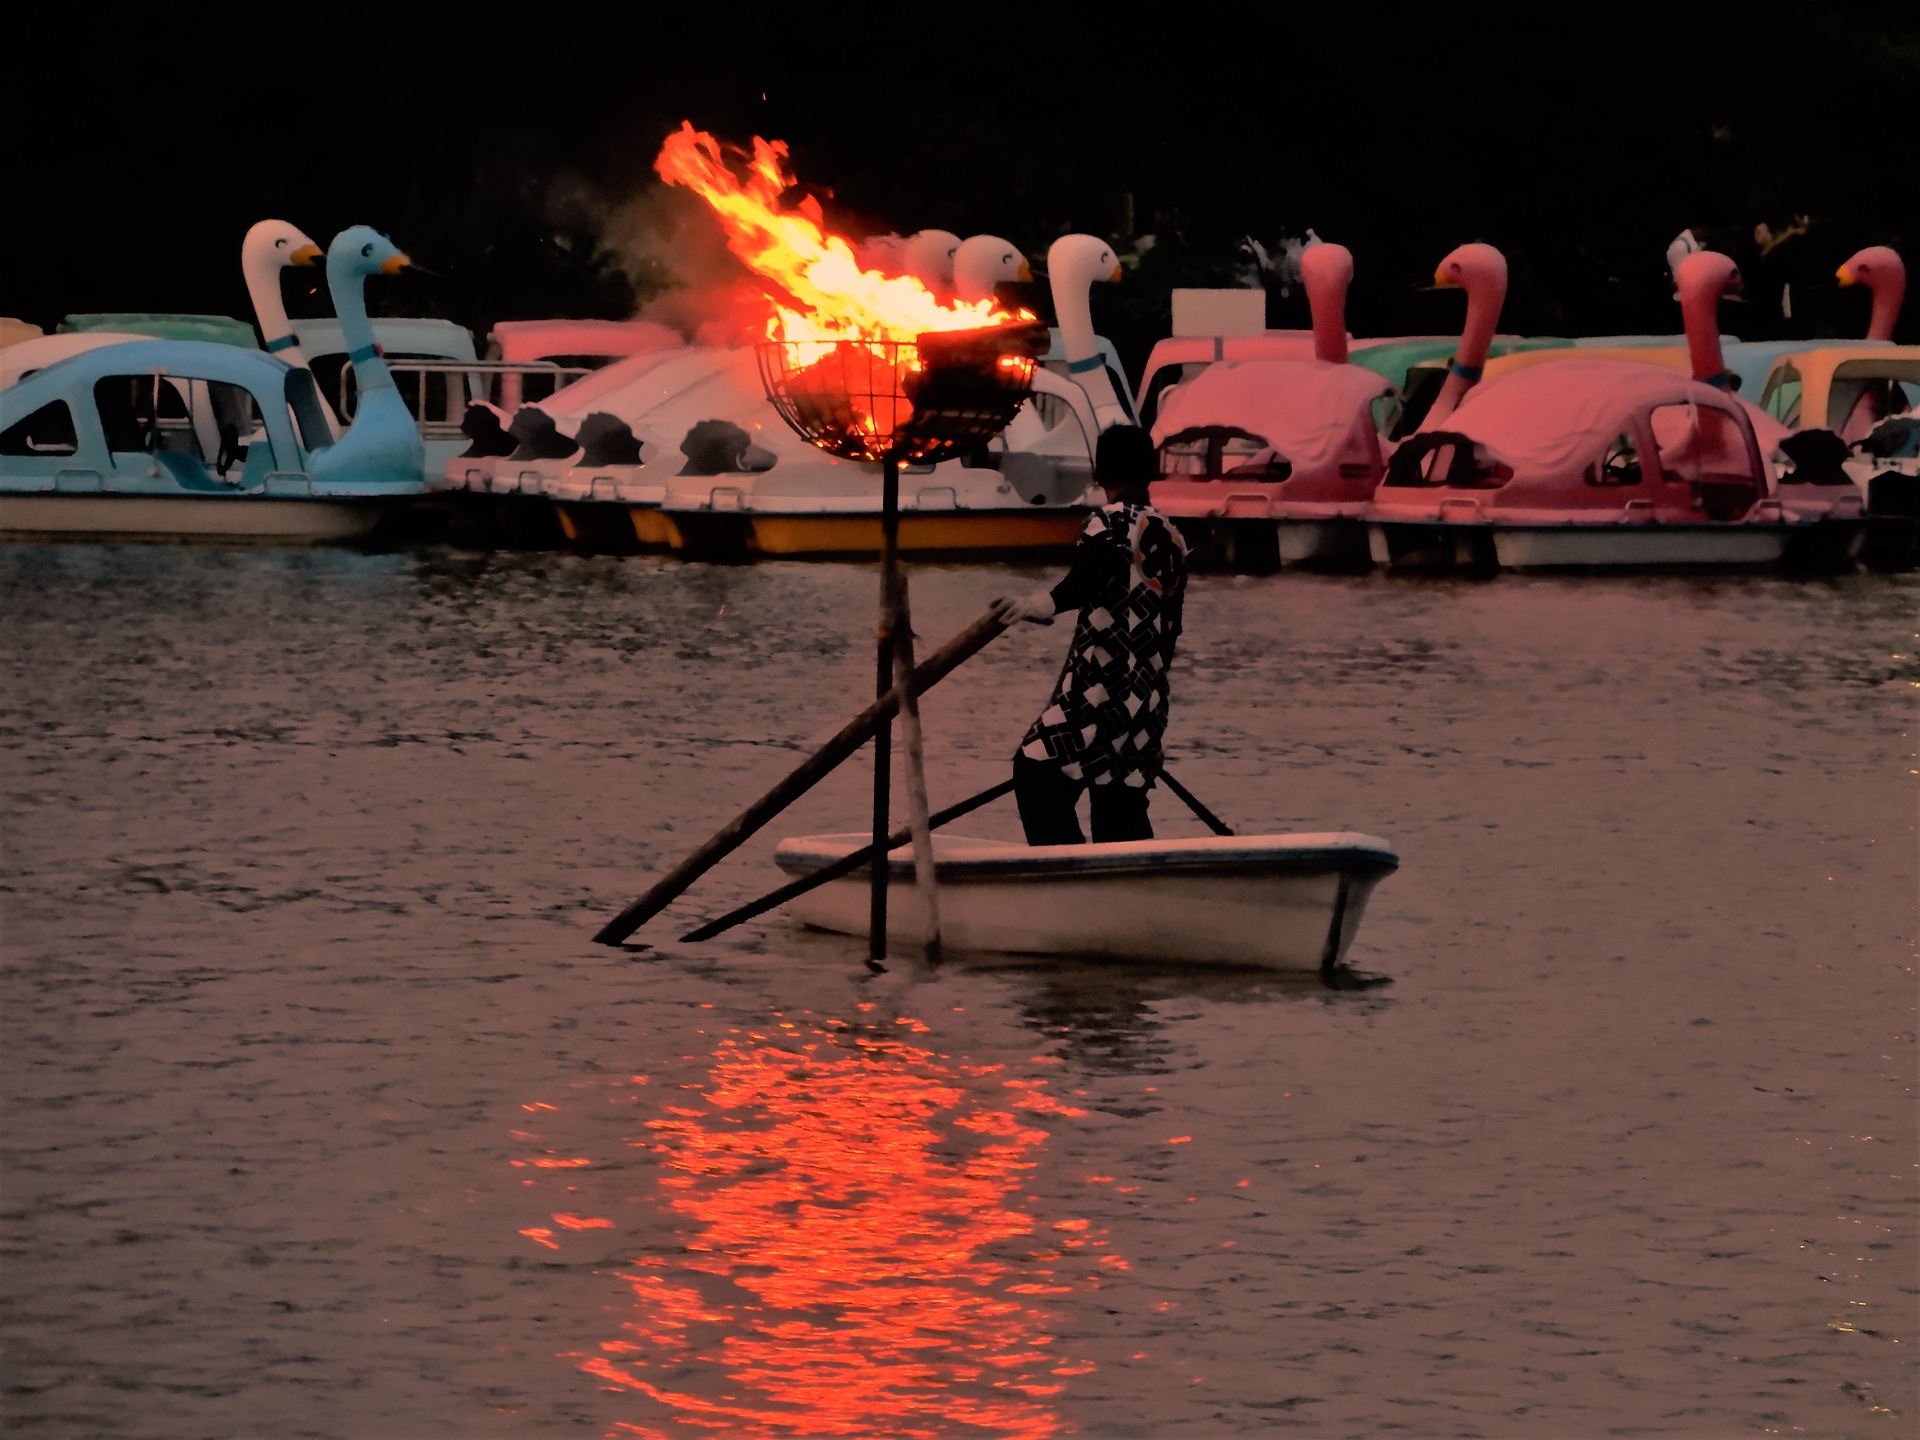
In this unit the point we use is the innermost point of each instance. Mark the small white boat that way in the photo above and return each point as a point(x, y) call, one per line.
point(1283, 902)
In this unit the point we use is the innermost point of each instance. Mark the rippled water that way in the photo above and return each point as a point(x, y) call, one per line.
point(327, 1119)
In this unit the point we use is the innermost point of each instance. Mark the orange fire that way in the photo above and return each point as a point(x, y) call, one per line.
point(824, 295)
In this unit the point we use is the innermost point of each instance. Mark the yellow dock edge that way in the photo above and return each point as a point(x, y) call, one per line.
point(961, 530)
point(760, 534)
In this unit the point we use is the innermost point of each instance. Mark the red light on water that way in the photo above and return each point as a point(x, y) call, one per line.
point(847, 1209)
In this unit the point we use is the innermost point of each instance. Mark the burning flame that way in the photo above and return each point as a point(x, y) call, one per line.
point(828, 297)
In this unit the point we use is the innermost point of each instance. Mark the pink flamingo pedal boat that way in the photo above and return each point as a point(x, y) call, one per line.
point(1275, 457)
point(1596, 463)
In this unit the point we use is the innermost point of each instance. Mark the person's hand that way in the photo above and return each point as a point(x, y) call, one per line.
point(1035, 609)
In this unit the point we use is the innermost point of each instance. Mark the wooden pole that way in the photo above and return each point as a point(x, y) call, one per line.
point(845, 865)
point(883, 683)
point(916, 770)
point(968, 643)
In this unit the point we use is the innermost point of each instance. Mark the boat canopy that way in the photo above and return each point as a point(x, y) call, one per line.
point(435, 339)
point(219, 329)
point(1824, 387)
point(1304, 409)
point(520, 340)
point(1397, 358)
point(1673, 357)
point(193, 409)
point(13, 331)
point(1552, 419)
point(19, 361)
point(1751, 361)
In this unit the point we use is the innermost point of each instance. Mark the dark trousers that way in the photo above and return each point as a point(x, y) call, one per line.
point(1047, 797)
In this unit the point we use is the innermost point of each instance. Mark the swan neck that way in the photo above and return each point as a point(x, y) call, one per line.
point(1073, 312)
point(1483, 316)
point(348, 289)
point(1484, 299)
point(1700, 315)
point(1887, 296)
point(1328, 302)
point(269, 311)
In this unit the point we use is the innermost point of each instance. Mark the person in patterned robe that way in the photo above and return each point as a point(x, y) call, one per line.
point(1102, 728)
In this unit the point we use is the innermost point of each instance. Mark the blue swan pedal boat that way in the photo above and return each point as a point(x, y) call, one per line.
point(190, 440)
point(173, 440)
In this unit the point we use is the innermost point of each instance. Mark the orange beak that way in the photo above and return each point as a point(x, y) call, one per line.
point(1026, 271)
point(305, 255)
point(1443, 280)
point(1846, 276)
point(395, 265)
point(1117, 272)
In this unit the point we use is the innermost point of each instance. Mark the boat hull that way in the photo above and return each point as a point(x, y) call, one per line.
point(613, 528)
point(1258, 544)
point(1635, 546)
point(263, 520)
point(724, 532)
point(1323, 542)
point(1415, 544)
point(1274, 902)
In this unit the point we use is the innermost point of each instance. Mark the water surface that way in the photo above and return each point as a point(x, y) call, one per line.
point(326, 1119)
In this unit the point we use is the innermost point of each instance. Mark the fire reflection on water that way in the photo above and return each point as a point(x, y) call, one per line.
point(853, 1263)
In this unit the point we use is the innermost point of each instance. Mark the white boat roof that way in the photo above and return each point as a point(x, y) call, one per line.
point(962, 858)
point(442, 339)
point(663, 394)
point(1305, 409)
point(19, 361)
point(544, 339)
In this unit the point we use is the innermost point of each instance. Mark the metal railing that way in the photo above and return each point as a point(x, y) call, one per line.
point(501, 382)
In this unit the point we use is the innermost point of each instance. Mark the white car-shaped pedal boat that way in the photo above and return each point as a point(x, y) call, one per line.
point(1283, 902)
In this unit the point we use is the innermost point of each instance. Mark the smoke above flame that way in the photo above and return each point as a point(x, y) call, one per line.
point(818, 289)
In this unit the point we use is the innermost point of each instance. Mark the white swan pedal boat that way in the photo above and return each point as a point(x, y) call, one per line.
point(1283, 902)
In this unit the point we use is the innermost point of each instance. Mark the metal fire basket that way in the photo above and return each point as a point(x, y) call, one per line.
point(911, 402)
point(900, 403)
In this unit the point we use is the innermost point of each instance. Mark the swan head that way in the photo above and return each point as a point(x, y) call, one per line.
point(1705, 276)
point(1081, 259)
point(279, 244)
point(1881, 270)
point(1872, 267)
point(1326, 271)
point(360, 250)
point(1470, 267)
point(984, 261)
point(929, 258)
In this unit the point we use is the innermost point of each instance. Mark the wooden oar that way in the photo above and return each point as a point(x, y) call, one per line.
point(1213, 821)
point(845, 865)
point(853, 735)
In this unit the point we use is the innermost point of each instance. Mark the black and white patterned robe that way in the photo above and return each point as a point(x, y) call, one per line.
point(1109, 708)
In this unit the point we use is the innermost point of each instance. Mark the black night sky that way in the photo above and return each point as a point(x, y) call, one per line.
point(498, 153)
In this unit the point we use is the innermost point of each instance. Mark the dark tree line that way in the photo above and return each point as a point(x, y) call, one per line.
point(506, 155)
